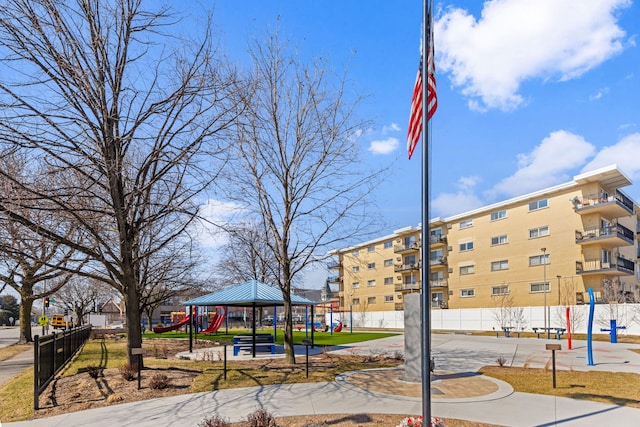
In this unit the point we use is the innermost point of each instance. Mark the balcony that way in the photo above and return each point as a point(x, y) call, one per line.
point(613, 236)
point(438, 262)
point(411, 247)
point(406, 267)
point(334, 279)
point(616, 268)
point(609, 206)
point(437, 240)
point(438, 283)
point(334, 264)
point(406, 287)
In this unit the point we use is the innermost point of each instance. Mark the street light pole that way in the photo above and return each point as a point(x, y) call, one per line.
point(544, 289)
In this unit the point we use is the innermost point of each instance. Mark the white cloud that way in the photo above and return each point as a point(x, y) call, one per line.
point(517, 40)
point(393, 127)
point(215, 214)
point(447, 204)
point(625, 153)
point(384, 146)
point(548, 164)
point(599, 94)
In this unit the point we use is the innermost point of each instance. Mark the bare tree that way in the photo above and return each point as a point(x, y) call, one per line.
point(81, 295)
point(126, 125)
point(297, 168)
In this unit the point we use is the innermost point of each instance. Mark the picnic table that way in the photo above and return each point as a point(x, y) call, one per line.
point(264, 342)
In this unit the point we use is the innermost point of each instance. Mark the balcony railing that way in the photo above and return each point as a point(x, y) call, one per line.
point(593, 234)
point(400, 287)
point(438, 283)
point(601, 200)
point(437, 239)
point(438, 260)
point(413, 246)
point(334, 264)
point(620, 265)
point(334, 279)
point(406, 267)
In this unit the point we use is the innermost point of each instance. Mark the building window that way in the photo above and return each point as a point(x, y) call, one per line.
point(465, 293)
point(466, 246)
point(371, 283)
point(538, 287)
point(410, 279)
point(388, 298)
point(538, 204)
point(499, 240)
point(466, 223)
point(388, 280)
point(371, 249)
point(388, 262)
point(500, 265)
point(539, 232)
point(499, 290)
point(355, 301)
point(371, 265)
point(355, 268)
point(498, 215)
point(539, 260)
point(467, 269)
point(371, 300)
point(355, 253)
point(388, 244)
point(355, 285)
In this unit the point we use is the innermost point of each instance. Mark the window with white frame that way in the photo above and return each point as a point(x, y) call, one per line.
point(371, 249)
point(466, 223)
point(388, 244)
point(466, 246)
point(371, 265)
point(467, 269)
point(355, 285)
point(499, 290)
point(539, 287)
point(371, 300)
point(498, 215)
point(371, 283)
point(388, 262)
point(355, 253)
point(465, 293)
point(388, 298)
point(539, 232)
point(538, 204)
point(539, 260)
point(500, 265)
point(388, 280)
point(355, 268)
point(499, 240)
point(410, 279)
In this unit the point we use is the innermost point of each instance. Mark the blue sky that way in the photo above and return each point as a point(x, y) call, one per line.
point(530, 93)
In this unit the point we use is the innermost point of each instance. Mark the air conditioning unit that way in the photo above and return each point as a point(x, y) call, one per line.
point(450, 270)
point(449, 248)
point(399, 277)
point(450, 292)
point(399, 258)
point(449, 226)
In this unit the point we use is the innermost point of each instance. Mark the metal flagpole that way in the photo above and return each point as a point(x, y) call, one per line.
point(426, 245)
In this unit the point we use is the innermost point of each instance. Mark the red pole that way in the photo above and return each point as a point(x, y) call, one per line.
point(568, 328)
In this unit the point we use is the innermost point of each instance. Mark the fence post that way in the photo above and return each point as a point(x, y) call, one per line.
point(36, 374)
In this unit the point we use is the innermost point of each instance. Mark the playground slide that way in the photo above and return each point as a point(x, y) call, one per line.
point(215, 323)
point(338, 328)
point(161, 329)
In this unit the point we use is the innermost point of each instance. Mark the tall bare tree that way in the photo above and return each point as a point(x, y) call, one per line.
point(124, 114)
point(81, 295)
point(298, 169)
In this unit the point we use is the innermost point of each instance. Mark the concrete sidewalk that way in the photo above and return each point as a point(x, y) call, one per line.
point(459, 355)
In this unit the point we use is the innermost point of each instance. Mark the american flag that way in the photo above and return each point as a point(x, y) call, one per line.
point(415, 118)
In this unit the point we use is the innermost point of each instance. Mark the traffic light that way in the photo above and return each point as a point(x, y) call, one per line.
point(66, 311)
point(46, 302)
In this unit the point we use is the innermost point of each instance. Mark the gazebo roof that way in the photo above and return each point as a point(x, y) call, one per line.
point(248, 294)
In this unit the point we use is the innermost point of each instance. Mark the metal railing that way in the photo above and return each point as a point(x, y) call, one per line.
point(51, 353)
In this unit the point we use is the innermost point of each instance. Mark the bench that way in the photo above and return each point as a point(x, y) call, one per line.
point(507, 330)
point(557, 331)
point(263, 342)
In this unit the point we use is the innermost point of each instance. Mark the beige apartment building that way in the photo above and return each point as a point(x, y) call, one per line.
point(544, 248)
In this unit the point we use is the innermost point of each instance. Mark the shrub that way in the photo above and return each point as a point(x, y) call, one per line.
point(501, 361)
point(215, 421)
point(128, 372)
point(261, 418)
point(95, 371)
point(159, 382)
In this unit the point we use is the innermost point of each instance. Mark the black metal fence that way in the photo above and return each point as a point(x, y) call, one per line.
point(52, 353)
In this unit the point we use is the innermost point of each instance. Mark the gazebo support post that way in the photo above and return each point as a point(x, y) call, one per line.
point(253, 328)
point(190, 329)
point(313, 316)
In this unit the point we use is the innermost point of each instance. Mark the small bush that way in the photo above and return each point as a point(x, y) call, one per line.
point(501, 361)
point(95, 371)
point(215, 421)
point(159, 382)
point(129, 372)
point(261, 418)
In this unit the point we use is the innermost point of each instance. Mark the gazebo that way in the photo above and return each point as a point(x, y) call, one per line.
point(252, 294)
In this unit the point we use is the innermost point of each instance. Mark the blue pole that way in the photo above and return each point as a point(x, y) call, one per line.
point(592, 305)
point(331, 320)
point(306, 321)
point(350, 319)
point(275, 322)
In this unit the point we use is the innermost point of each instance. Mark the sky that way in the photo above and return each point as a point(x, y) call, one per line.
point(530, 93)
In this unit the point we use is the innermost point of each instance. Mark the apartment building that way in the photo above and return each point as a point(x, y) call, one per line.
point(544, 248)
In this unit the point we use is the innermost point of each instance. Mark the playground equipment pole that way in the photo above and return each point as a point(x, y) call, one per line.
point(592, 305)
point(331, 320)
point(569, 327)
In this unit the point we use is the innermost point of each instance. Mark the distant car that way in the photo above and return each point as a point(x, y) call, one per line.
point(58, 322)
point(267, 321)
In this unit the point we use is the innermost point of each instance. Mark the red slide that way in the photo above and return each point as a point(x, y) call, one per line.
point(215, 322)
point(161, 329)
point(338, 328)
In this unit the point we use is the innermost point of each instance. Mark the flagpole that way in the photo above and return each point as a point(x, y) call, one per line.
point(426, 243)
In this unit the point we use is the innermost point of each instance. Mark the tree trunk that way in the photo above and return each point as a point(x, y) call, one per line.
point(25, 320)
point(134, 329)
point(289, 352)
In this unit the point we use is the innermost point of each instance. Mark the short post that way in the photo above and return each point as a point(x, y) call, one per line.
point(139, 352)
point(225, 343)
point(553, 348)
point(307, 343)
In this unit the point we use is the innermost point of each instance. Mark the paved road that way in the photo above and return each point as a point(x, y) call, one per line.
point(456, 353)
